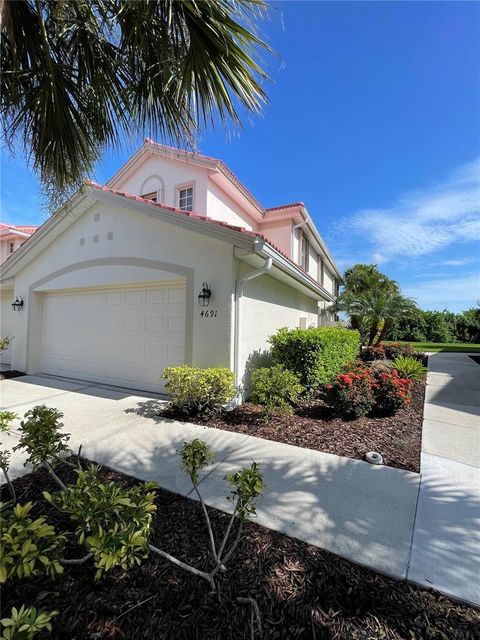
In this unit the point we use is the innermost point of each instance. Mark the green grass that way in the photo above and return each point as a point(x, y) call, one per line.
point(442, 346)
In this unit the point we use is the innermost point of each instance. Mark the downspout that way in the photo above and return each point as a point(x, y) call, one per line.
point(239, 287)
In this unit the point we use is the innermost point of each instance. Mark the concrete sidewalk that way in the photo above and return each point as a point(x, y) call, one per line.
point(446, 544)
point(362, 512)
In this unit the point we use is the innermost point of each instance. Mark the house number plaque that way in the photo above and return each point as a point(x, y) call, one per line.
point(208, 313)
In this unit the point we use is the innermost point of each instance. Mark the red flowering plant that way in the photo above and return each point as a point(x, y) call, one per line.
point(351, 395)
point(391, 392)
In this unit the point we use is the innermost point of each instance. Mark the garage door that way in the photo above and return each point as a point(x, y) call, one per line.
point(120, 336)
point(7, 323)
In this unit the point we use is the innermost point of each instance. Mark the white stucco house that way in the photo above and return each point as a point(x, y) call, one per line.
point(110, 283)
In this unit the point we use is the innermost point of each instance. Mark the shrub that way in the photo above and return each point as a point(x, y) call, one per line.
point(41, 436)
point(395, 349)
point(114, 522)
point(351, 395)
point(195, 455)
point(380, 366)
point(409, 367)
point(196, 392)
point(5, 342)
point(369, 354)
point(315, 355)
point(26, 622)
point(276, 388)
point(28, 547)
point(247, 486)
point(6, 418)
point(392, 392)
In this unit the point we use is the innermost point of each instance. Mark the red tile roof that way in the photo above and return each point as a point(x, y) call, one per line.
point(24, 228)
point(197, 216)
point(292, 205)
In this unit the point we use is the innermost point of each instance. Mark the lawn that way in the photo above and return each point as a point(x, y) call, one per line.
point(302, 592)
point(442, 346)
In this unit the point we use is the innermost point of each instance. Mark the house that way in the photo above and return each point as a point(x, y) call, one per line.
point(115, 284)
point(12, 237)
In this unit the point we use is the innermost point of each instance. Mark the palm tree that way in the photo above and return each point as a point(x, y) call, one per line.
point(78, 75)
point(376, 312)
point(359, 281)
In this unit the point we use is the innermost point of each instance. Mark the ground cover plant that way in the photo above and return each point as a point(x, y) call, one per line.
point(302, 592)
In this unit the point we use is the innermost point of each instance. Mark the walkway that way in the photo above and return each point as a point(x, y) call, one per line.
point(362, 512)
point(446, 544)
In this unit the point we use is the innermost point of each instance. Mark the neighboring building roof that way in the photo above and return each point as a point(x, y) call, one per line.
point(22, 228)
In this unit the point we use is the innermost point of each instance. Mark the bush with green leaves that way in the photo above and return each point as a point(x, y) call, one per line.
point(316, 356)
point(409, 367)
point(198, 392)
point(6, 419)
point(392, 393)
point(28, 546)
point(112, 521)
point(26, 622)
point(247, 485)
point(275, 388)
point(5, 343)
point(351, 394)
point(41, 436)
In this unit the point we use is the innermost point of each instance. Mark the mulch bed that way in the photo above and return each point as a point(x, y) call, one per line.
point(302, 592)
point(314, 426)
point(13, 373)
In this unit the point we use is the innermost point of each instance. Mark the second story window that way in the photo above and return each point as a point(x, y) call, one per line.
point(11, 247)
point(185, 199)
point(153, 196)
point(304, 250)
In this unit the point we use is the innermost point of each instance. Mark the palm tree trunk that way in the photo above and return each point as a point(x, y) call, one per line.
point(385, 329)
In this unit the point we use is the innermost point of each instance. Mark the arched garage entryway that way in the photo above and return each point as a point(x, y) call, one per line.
point(123, 333)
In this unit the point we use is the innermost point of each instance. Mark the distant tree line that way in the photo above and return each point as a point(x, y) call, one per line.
point(376, 307)
point(438, 326)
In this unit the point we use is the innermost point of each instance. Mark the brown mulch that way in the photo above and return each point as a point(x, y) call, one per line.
point(301, 591)
point(12, 373)
point(314, 426)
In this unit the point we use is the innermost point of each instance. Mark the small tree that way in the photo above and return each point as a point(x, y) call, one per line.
point(113, 522)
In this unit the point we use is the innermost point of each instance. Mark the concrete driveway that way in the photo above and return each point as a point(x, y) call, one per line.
point(362, 512)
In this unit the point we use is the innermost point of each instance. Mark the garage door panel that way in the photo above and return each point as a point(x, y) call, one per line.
point(122, 337)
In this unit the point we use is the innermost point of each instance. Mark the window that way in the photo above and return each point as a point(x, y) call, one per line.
point(320, 271)
point(304, 249)
point(11, 247)
point(153, 196)
point(185, 198)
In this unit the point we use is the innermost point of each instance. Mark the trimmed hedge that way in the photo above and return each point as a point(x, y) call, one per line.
point(316, 355)
point(195, 391)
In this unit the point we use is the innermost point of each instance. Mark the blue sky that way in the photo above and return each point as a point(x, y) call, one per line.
point(374, 123)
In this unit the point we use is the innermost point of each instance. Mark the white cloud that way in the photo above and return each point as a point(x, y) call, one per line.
point(423, 222)
point(446, 293)
point(458, 263)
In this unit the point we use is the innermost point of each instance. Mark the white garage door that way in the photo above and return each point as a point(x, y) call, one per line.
point(7, 323)
point(120, 336)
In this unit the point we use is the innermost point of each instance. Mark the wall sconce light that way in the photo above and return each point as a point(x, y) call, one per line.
point(18, 304)
point(204, 295)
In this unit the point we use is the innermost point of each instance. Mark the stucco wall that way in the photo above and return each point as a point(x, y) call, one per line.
point(279, 232)
point(173, 173)
point(221, 207)
point(328, 280)
point(268, 305)
point(138, 241)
